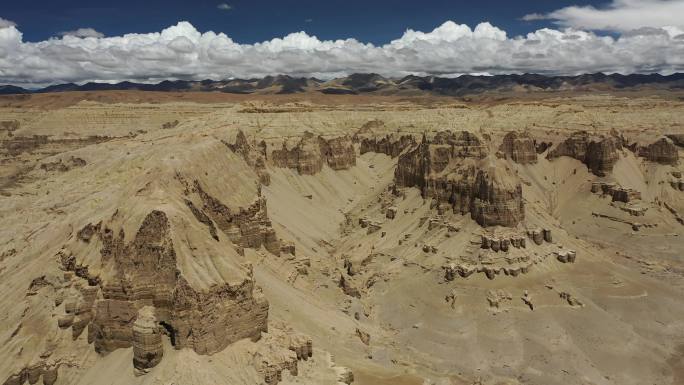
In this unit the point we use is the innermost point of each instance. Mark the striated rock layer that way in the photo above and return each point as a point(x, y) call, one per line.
point(147, 340)
point(451, 168)
point(663, 151)
point(519, 147)
point(598, 154)
point(144, 273)
point(388, 145)
point(311, 153)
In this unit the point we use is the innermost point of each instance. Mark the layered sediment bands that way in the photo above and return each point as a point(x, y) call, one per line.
point(144, 272)
point(519, 147)
point(430, 157)
point(450, 169)
point(598, 154)
point(311, 153)
point(247, 228)
point(494, 202)
point(338, 152)
point(388, 145)
point(663, 151)
point(147, 340)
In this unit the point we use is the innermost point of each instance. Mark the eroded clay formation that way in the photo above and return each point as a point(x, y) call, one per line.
point(312, 152)
point(454, 167)
point(519, 147)
point(598, 153)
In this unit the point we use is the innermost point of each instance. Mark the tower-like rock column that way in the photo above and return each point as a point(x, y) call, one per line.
point(147, 341)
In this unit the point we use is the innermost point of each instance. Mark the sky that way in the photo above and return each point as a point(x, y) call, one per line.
point(47, 42)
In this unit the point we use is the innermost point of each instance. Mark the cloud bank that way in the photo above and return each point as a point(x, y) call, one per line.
point(620, 15)
point(182, 52)
point(82, 32)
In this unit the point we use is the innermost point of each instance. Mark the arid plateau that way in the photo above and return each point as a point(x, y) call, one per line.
point(206, 238)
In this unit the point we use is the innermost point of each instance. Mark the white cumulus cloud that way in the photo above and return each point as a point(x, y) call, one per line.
point(619, 15)
point(4, 23)
point(83, 33)
point(183, 52)
point(224, 7)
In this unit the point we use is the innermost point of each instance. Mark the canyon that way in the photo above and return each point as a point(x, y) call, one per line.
point(318, 239)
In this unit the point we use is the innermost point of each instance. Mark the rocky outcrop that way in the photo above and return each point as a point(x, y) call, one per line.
point(279, 352)
point(662, 151)
point(32, 373)
point(502, 243)
point(615, 191)
point(566, 256)
point(599, 154)
point(311, 153)
point(147, 341)
point(247, 228)
point(144, 272)
point(389, 145)
point(339, 153)
point(519, 147)
point(448, 170)
point(253, 155)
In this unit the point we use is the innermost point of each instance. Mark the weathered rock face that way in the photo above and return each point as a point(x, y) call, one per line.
point(338, 152)
point(145, 273)
point(519, 147)
point(432, 157)
point(247, 228)
point(599, 154)
point(448, 170)
point(388, 145)
point(147, 340)
point(662, 151)
point(254, 156)
point(281, 351)
point(616, 192)
point(311, 153)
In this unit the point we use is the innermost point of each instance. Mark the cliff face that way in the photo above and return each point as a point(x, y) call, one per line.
point(519, 147)
point(253, 155)
point(388, 145)
point(450, 169)
point(598, 154)
point(144, 273)
point(338, 152)
point(311, 153)
point(249, 227)
point(663, 151)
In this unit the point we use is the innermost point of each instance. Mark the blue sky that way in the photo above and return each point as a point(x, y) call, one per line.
point(376, 21)
point(45, 42)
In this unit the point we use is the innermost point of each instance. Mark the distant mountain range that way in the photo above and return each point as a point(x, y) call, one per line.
point(374, 83)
